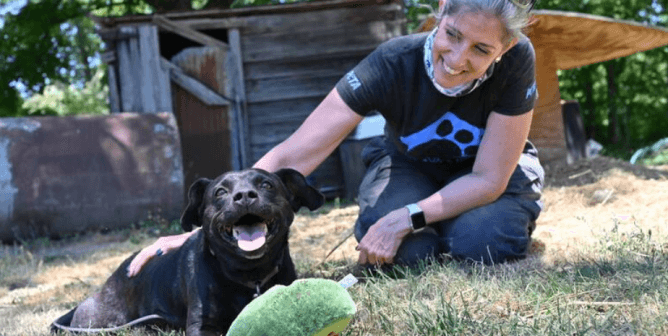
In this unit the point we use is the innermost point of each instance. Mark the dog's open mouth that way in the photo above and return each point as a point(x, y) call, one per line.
point(250, 232)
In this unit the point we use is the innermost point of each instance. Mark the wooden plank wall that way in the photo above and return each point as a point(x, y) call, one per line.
point(138, 81)
point(278, 68)
point(290, 63)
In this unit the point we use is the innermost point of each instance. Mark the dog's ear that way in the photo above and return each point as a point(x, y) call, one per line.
point(301, 194)
point(192, 215)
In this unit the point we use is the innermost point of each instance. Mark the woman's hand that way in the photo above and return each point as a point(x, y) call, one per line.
point(382, 241)
point(160, 247)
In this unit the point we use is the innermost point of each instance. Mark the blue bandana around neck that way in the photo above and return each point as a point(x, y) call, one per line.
point(459, 90)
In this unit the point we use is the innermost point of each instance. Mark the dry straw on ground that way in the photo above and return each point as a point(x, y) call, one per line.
point(611, 194)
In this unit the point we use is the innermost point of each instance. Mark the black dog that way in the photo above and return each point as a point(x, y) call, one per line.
point(241, 251)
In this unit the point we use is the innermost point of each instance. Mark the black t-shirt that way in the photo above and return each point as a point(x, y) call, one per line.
point(423, 123)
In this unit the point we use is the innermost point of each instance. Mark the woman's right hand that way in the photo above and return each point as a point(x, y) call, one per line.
point(161, 246)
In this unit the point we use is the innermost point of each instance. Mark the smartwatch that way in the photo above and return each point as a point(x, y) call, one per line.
point(417, 216)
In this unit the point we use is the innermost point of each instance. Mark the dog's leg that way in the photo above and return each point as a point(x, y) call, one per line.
point(88, 314)
point(102, 310)
point(287, 273)
point(195, 329)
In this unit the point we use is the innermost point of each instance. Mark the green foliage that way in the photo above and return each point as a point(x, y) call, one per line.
point(117, 7)
point(658, 159)
point(418, 10)
point(48, 41)
point(62, 99)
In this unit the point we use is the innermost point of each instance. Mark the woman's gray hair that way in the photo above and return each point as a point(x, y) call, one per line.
point(512, 16)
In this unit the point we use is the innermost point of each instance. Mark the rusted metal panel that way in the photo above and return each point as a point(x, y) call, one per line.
point(205, 136)
point(207, 64)
point(63, 175)
point(205, 129)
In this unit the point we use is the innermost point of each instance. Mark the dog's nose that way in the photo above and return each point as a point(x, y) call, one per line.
point(245, 197)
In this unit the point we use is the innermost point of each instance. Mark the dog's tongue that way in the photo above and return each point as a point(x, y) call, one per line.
point(250, 237)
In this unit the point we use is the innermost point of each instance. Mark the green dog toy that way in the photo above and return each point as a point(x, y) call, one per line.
point(308, 307)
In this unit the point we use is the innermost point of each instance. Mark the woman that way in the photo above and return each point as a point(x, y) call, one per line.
point(454, 172)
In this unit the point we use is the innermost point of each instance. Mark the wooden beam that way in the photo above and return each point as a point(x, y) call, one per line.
point(197, 89)
point(236, 88)
point(219, 23)
point(114, 34)
point(245, 11)
point(108, 56)
point(148, 67)
point(187, 32)
point(114, 97)
point(127, 52)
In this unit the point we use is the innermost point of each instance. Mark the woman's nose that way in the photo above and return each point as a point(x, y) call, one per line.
point(457, 58)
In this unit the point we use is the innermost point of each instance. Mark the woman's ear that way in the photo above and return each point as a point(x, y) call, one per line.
point(513, 42)
point(441, 3)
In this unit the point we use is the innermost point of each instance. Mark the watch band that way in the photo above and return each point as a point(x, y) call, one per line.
point(417, 216)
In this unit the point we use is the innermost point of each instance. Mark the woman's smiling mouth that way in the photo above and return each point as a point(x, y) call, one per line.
point(451, 71)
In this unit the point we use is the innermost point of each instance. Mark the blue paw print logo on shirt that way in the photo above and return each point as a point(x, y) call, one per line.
point(447, 137)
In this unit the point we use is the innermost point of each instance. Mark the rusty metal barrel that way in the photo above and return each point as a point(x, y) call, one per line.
point(65, 175)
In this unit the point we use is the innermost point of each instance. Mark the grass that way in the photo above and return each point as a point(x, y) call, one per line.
point(621, 291)
point(615, 287)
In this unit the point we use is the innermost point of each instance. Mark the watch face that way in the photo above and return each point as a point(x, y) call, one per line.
point(418, 221)
point(417, 216)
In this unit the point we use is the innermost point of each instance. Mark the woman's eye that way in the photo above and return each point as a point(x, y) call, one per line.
point(221, 192)
point(482, 50)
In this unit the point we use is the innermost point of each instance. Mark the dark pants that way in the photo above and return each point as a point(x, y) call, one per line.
point(493, 233)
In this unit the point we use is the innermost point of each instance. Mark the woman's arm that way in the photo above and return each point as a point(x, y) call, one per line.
point(497, 157)
point(304, 150)
point(322, 131)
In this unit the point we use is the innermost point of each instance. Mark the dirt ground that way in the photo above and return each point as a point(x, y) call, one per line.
point(583, 201)
point(590, 171)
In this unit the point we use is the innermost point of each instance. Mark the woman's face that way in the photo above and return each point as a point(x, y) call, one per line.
point(465, 45)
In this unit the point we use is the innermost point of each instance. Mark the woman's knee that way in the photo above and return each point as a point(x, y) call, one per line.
point(490, 251)
point(417, 247)
point(494, 233)
point(363, 223)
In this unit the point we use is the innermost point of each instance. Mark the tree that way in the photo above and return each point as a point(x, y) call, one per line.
point(47, 41)
point(54, 41)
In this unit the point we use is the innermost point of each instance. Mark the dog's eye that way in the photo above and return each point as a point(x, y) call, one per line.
point(266, 185)
point(221, 192)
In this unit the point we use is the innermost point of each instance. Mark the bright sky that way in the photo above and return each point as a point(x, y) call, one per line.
point(11, 7)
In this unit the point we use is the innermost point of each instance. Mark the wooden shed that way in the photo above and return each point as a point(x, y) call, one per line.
point(241, 80)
